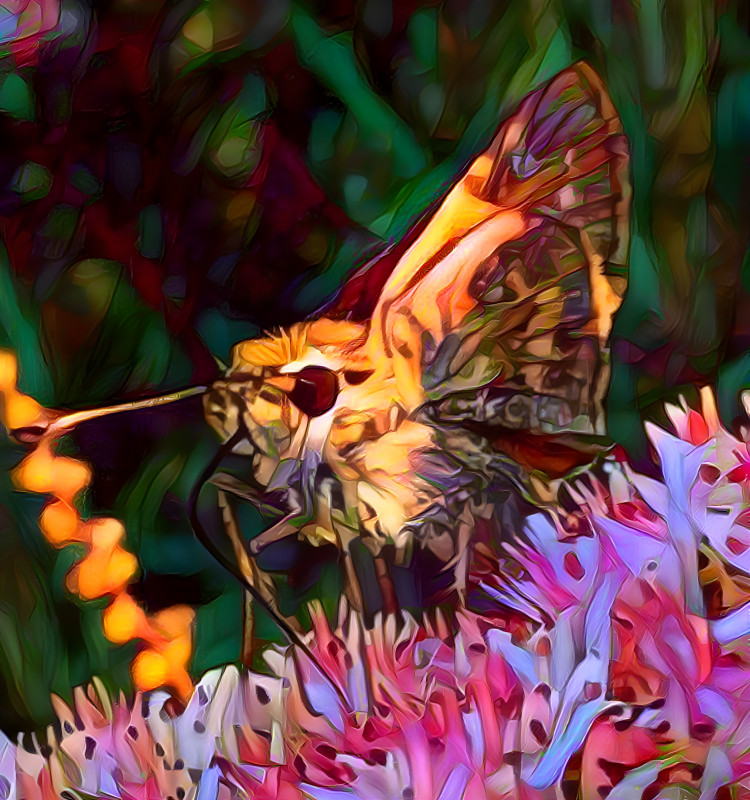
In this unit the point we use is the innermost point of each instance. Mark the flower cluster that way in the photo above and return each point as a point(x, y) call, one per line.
point(614, 661)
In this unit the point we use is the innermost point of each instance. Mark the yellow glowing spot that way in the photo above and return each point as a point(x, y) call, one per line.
point(70, 476)
point(36, 472)
point(165, 664)
point(108, 567)
point(44, 473)
point(20, 411)
point(182, 683)
point(175, 621)
point(314, 248)
point(8, 371)
point(240, 207)
point(178, 652)
point(231, 151)
point(17, 410)
point(100, 574)
point(105, 532)
point(122, 566)
point(199, 30)
point(124, 620)
point(60, 524)
point(150, 670)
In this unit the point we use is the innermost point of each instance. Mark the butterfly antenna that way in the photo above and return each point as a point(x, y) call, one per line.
point(75, 418)
point(289, 633)
point(33, 434)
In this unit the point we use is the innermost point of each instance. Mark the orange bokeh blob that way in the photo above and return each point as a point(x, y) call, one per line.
point(20, 411)
point(124, 620)
point(105, 572)
point(165, 664)
point(44, 472)
point(17, 410)
point(8, 371)
point(61, 524)
point(107, 568)
point(150, 670)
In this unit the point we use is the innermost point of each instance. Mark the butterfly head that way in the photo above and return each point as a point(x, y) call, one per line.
point(280, 389)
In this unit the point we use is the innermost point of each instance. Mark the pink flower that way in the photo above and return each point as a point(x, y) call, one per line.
point(23, 25)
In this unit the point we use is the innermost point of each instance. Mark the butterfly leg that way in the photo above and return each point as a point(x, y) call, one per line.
point(288, 526)
point(352, 589)
point(460, 564)
point(260, 580)
point(248, 628)
point(461, 579)
point(387, 589)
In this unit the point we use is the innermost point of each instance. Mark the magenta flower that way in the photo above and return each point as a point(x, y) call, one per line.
point(23, 25)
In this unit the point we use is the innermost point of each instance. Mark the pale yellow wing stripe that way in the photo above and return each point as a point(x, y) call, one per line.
point(430, 296)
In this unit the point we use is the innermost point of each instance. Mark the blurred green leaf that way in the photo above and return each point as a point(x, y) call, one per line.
point(16, 97)
point(32, 181)
point(19, 327)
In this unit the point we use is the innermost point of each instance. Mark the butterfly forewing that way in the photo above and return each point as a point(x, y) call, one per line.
point(514, 281)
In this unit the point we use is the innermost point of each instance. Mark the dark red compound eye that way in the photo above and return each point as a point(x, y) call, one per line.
point(315, 390)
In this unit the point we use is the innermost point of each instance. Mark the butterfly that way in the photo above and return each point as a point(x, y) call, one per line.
point(394, 435)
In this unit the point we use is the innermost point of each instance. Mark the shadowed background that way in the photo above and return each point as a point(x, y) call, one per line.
point(175, 177)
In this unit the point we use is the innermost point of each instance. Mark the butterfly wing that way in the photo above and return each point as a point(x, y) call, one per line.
point(513, 282)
